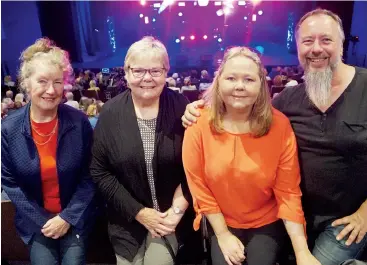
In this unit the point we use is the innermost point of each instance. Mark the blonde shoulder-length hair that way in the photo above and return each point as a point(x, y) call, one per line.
point(261, 114)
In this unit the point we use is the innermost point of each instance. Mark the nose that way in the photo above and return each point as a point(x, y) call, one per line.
point(317, 49)
point(240, 85)
point(147, 76)
point(50, 89)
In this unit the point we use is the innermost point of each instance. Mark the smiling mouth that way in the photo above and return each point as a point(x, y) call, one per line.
point(48, 99)
point(316, 60)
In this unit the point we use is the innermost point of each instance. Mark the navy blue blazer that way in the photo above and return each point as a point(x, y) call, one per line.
point(21, 177)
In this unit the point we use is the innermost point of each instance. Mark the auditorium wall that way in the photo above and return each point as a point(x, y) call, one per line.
point(20, 28)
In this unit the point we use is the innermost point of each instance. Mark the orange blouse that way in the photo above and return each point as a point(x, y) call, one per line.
point(47, 155)
point(251, 181)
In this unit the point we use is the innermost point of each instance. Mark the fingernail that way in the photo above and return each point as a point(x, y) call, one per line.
point(337, 238)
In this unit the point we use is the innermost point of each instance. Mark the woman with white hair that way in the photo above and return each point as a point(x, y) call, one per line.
point(20, 98)
point(45, 158)
point(137, 162)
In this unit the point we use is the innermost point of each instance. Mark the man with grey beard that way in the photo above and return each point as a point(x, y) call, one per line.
point(328, 114)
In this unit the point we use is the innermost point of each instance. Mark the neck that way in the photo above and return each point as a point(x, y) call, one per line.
point(41, 116)
point(146, 109)
point(339, 75)
point(238, 115)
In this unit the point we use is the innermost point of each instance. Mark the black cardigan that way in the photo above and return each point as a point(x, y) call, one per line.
point(118, 166)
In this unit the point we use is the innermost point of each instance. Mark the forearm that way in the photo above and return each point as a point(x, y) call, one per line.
point(179, 199)
point(218, 223)
point(297, 235)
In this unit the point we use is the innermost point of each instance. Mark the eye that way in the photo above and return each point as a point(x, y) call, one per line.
point(307, 41)
point(42, 81)
point(230, 78)
point(249, 80)
point(326, 40)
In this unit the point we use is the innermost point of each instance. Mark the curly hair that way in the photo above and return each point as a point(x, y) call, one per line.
point(43, 48)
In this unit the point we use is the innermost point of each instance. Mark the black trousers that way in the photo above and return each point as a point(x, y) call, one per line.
point(262, 245)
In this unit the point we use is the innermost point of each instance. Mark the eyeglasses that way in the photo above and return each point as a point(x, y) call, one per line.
point(140, 72)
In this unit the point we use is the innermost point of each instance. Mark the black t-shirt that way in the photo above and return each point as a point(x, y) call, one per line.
point(332, 148)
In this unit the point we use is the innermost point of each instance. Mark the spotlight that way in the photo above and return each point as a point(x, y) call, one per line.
point(205, 37)
point(182, 37)
point(153, 19)
point(141, 15)
point(203, 2)
point(220, 13)
point(254, 17)
point(181, 3)
point(177, 40)
point(142, 2)
point(180, 14)
point(146, 20)
point(241, 3)
point(227, 11)
point(245, 18)
point(220, 40)
point(192, 37)
point(217, 3)
point(260, 12)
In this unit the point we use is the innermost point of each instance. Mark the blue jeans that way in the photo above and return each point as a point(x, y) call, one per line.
point(68, 250)
point(330, 251)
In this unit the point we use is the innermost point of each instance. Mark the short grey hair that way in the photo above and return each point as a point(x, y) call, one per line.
point(147, 44)
point(19, 97)
point(69, 96)
point(9, 94)
point(325, 12)
point(171, 82)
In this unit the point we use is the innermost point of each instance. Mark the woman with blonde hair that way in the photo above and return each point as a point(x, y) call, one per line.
point(93, 86)
point(242, 168)
point(137, 161)
point(45, 162)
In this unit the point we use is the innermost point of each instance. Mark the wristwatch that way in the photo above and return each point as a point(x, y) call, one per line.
point(177, 210)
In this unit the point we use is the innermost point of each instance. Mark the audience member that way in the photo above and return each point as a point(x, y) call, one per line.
point(187, 85)
point(93, 86)
point(70, 100)
point(141, 176)
point(44, 163)
point(172, 84)
point(226, 155)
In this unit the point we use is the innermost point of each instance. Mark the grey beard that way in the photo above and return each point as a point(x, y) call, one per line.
point(318, 86)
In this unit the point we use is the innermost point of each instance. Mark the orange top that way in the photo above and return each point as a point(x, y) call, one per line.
point(251, 181)
point(47, 155)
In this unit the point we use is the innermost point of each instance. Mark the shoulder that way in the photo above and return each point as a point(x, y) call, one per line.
point(115, 102)
point(13, 121)
point(361, 74)
point(279, 119)
point(75, 116)
point(281, 125)
point(289, 94)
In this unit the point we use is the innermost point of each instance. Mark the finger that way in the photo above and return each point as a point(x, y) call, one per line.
point(241, 246)
point(47, 224)
point(361, 235)
point(200, 104)
point(341, 221)
point(154, 234)
point(234, 260)
point(162, 215)
point(352, 236)
point(161, 233)
point(228, 260)
point(55, 236)
point(345, 232)
point(164, 228)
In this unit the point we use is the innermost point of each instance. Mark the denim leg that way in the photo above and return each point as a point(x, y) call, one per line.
point(330, 251)
point(44, 250)
point(73, 249)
